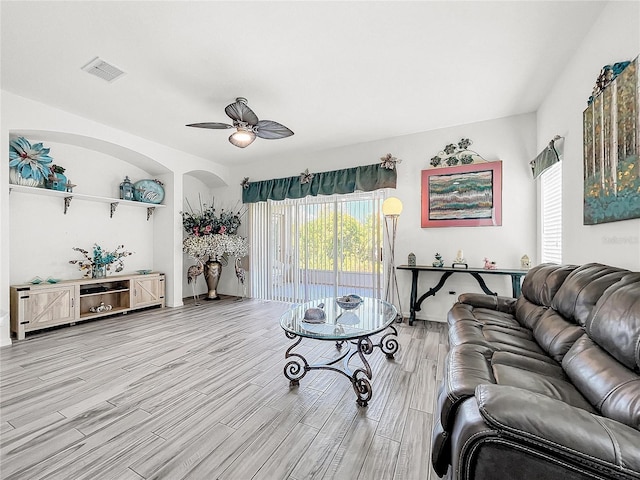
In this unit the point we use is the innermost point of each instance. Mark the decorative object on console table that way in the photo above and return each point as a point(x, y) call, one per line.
point(462, 196)
point(28, 164)
point(459, 261)
point(391, 209)
point(56, 180)
point(411, 259)
point(525, 263)
point(611, 148)
point(438, 262)
point(99, 262)
point(126, 189)
point(489, 265)
point(148, 191)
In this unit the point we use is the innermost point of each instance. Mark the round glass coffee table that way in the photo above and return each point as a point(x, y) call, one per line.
point(351, 330)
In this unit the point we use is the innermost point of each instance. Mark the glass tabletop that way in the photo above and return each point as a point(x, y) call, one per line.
point(370, 317)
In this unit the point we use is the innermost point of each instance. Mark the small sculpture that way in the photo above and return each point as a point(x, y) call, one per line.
point(315, 314)
point(489, 265)
point(192, 275)
point(241, 273)
point(411, 260)
point(438, 262)
point(525, 263)
point(459, 261)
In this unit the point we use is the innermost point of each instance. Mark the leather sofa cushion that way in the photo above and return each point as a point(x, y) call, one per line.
point(615, 321)
point(582, 288)
point(555, 334)
point(543, 281)
point(609, 385)
point(527, 313)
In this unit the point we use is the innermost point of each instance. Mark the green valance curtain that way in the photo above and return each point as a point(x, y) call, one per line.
point(347, 180)
point(551, 155)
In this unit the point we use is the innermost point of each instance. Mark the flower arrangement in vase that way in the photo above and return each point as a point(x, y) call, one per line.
point(99, 262)
point(29, 164)
point(212, 239)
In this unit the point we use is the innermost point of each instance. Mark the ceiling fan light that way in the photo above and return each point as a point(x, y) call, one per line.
point(242, 138)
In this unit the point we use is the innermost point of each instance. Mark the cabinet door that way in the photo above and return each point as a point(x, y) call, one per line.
point(48, 306)
point(148, 290)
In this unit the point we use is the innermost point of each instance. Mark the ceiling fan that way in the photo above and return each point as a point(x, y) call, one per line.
point(247, 125)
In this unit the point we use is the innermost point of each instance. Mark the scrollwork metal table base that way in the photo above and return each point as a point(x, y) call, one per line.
point(360, 376)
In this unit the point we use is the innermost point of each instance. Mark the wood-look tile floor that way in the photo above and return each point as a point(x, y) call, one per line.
point(198, 392)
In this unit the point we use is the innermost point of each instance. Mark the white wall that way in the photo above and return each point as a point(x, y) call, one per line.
point(614, 37)
point(511, 139)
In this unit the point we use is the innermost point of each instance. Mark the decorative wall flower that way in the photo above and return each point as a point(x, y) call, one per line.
point(453, 154)
point(306, 177)
point(31, 161)
point(389, 161)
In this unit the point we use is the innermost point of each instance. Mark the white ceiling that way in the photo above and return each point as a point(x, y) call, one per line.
point(336, 73)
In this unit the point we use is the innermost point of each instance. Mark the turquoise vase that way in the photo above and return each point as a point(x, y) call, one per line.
point(60, 182)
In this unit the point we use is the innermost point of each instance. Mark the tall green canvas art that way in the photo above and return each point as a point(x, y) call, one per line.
point(612, 146)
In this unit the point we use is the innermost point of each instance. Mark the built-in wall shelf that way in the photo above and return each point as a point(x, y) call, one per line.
point(68, 196)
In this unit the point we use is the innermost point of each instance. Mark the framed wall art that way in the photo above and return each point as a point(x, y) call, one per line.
point(611, 146)
point(462, 196)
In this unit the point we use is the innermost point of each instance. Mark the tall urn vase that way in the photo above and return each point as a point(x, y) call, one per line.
point(212, 272)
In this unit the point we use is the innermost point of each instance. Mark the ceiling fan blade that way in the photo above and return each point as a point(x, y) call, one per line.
point(240, 112)
point(272, 130)
point(215, 125)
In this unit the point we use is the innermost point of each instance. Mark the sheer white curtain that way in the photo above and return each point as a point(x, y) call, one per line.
point(315, 247)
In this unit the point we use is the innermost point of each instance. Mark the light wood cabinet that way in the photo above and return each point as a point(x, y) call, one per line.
point(34, 307)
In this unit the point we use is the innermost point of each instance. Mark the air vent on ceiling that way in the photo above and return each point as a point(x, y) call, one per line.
point(102, 69)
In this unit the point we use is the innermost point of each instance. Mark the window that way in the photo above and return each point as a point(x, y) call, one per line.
point(551, 214)
point(316, 247)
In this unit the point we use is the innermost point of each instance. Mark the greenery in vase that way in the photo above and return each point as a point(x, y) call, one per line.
point(100, 258)
point(31, 161)
point(215, 247)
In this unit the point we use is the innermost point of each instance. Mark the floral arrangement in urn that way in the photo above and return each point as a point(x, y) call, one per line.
point(213, 234)
point(212, 239)
point(98, 262)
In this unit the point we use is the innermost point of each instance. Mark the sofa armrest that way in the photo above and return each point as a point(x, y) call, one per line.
point(597, 443)
point(491, 302)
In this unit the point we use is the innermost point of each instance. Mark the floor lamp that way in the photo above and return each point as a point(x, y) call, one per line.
point(391, 209)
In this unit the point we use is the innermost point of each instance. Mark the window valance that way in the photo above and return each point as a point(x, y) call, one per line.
point(365, 178)
point(548, 157)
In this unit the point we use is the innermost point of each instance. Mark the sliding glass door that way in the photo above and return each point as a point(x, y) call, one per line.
point(314, 247)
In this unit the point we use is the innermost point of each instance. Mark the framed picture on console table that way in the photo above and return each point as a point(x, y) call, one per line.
point(462, 196)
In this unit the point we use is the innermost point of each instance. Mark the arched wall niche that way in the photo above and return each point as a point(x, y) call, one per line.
point(118, 151)
point(210, 179)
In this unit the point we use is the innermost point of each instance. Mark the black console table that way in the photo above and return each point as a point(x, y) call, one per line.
point(516, 280)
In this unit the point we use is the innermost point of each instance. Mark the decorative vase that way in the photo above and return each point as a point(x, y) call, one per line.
point(99, 271)
point(16, 179)
point(212, 272)
point(60, 182)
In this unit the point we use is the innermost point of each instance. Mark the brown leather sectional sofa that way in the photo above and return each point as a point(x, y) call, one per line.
point(545, 386)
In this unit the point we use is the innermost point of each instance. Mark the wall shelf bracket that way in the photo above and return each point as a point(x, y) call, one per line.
point(150, 211)
point(112, 209)
point(67, 202)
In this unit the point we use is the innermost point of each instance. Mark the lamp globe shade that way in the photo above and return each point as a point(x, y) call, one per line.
point(391, 206)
